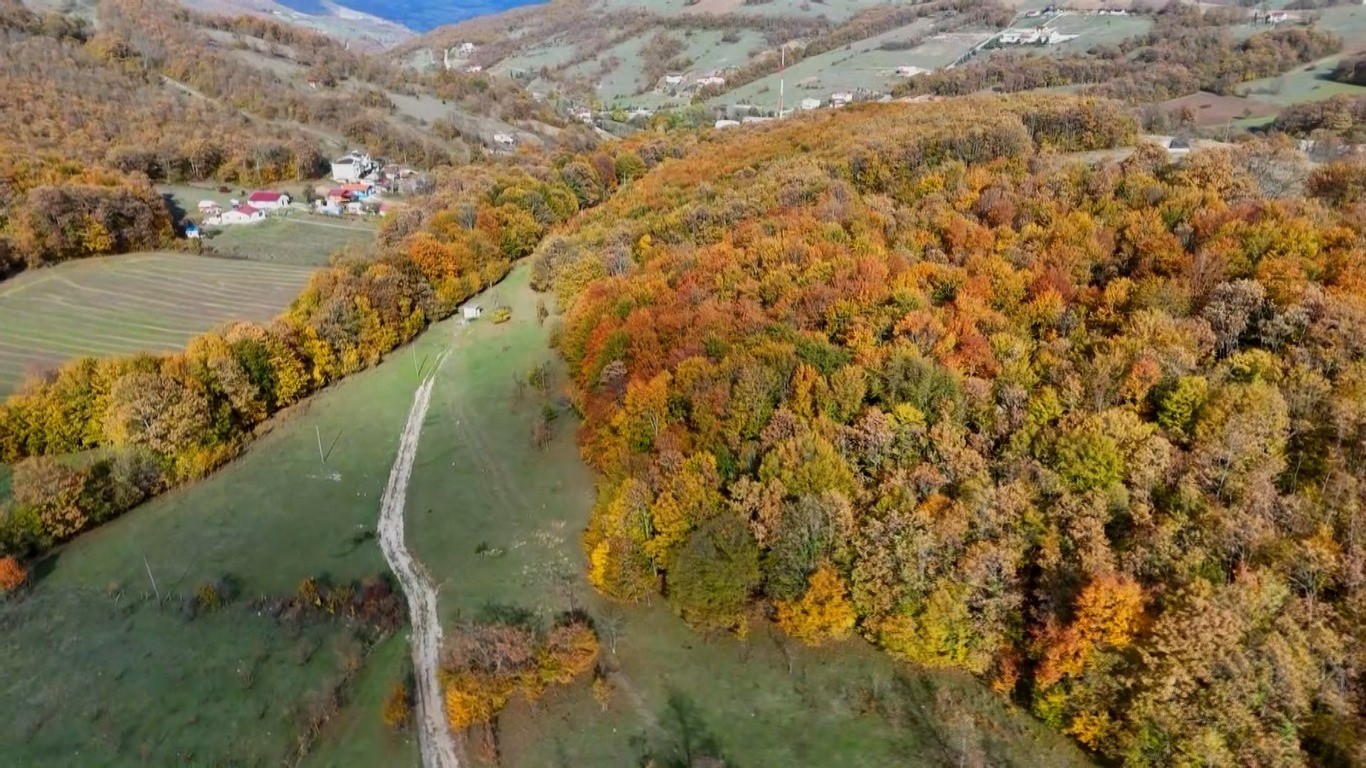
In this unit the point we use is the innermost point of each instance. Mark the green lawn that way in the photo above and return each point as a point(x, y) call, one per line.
point(300, 239)
point(1302, 84)
point(123, 304)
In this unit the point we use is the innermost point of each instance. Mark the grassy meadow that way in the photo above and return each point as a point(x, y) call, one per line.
point(122, 304)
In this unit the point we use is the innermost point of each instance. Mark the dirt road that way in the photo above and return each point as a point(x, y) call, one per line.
point(434, 732)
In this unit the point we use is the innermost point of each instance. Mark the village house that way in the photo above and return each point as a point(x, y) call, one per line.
point(723, 123)
point(209, 208)
point(242, 214)
point(337, 196)
point(267, 200)
point(673, 78)
point(472, 311)
point(353, 166)
point(840, 98)
point(504, 140)
point(809, 103)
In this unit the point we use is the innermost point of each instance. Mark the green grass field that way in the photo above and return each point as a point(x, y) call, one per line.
point(122, 304)
point(1302, 84)
point(149, 686)
point(297, 239)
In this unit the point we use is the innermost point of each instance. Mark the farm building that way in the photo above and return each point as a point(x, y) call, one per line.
point(242, 214)
point(353, 166)
point(504, 140)
point(209, 208)
point(472, 311)
point(337, 196)
point(809, 103)
point(267, 200)
point(840, 98)
point(723, 123)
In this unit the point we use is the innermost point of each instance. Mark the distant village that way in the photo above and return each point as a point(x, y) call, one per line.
point(1036, 28)
point(360, 186)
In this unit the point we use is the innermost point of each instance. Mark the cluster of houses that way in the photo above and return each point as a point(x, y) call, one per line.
point(356, 197)
point(682, 82)
point(457, 57)
point(250, 211)
point(1040, 35)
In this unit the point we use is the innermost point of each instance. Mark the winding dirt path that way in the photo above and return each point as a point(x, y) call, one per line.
point(434, 732)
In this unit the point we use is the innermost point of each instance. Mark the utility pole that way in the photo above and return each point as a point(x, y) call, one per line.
point(782, 77)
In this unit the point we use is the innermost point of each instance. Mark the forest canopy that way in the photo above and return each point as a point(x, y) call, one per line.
point(1091, 432)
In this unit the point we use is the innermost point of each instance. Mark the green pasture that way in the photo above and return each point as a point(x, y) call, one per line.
point(298, 239)
point(116, 305)
point(1306, 83)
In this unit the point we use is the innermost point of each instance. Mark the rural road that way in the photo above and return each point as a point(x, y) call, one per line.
point(434, 732)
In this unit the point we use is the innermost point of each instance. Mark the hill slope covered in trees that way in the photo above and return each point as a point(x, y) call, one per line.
point(1094, 434)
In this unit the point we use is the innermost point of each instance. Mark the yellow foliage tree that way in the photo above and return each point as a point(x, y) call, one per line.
point(823, 613)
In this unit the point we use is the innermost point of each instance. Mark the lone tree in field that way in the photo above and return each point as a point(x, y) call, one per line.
point(12, 575)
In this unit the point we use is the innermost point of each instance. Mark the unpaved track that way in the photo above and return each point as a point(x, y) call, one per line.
point(434, 732)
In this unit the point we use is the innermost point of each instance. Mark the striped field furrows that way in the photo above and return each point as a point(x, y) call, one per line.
point(153, 302)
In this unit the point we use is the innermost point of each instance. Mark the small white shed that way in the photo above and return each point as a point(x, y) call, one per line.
point(473, 311)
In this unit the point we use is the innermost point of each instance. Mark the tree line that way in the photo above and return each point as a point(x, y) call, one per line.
point(1091, 432)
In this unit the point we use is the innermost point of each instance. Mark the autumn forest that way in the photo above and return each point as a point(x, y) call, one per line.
point(988, 383)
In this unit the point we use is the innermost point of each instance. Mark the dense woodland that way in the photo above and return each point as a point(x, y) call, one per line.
point(1092, 433)
point(1342, 116)
point(1188, 49)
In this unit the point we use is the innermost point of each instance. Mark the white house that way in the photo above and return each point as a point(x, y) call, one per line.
point(353, 166)
point(242, 214)
point(672, 79)
point(840, 98)
point(268, 200)
point(504, 140)
point(472, 311)
point(810, 103)
point(209, 208)
point(717, 80)
point(582, 114)
point(466, 49)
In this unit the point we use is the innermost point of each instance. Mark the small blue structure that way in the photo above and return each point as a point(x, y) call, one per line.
point(192, 231)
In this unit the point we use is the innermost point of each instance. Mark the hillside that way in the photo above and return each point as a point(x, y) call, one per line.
point(1089, 433)
point(233, 100)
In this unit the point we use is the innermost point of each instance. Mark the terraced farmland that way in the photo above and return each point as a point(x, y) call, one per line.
point(141, 302)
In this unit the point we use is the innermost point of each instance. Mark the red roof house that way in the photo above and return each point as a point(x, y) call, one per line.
point(266, 199)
